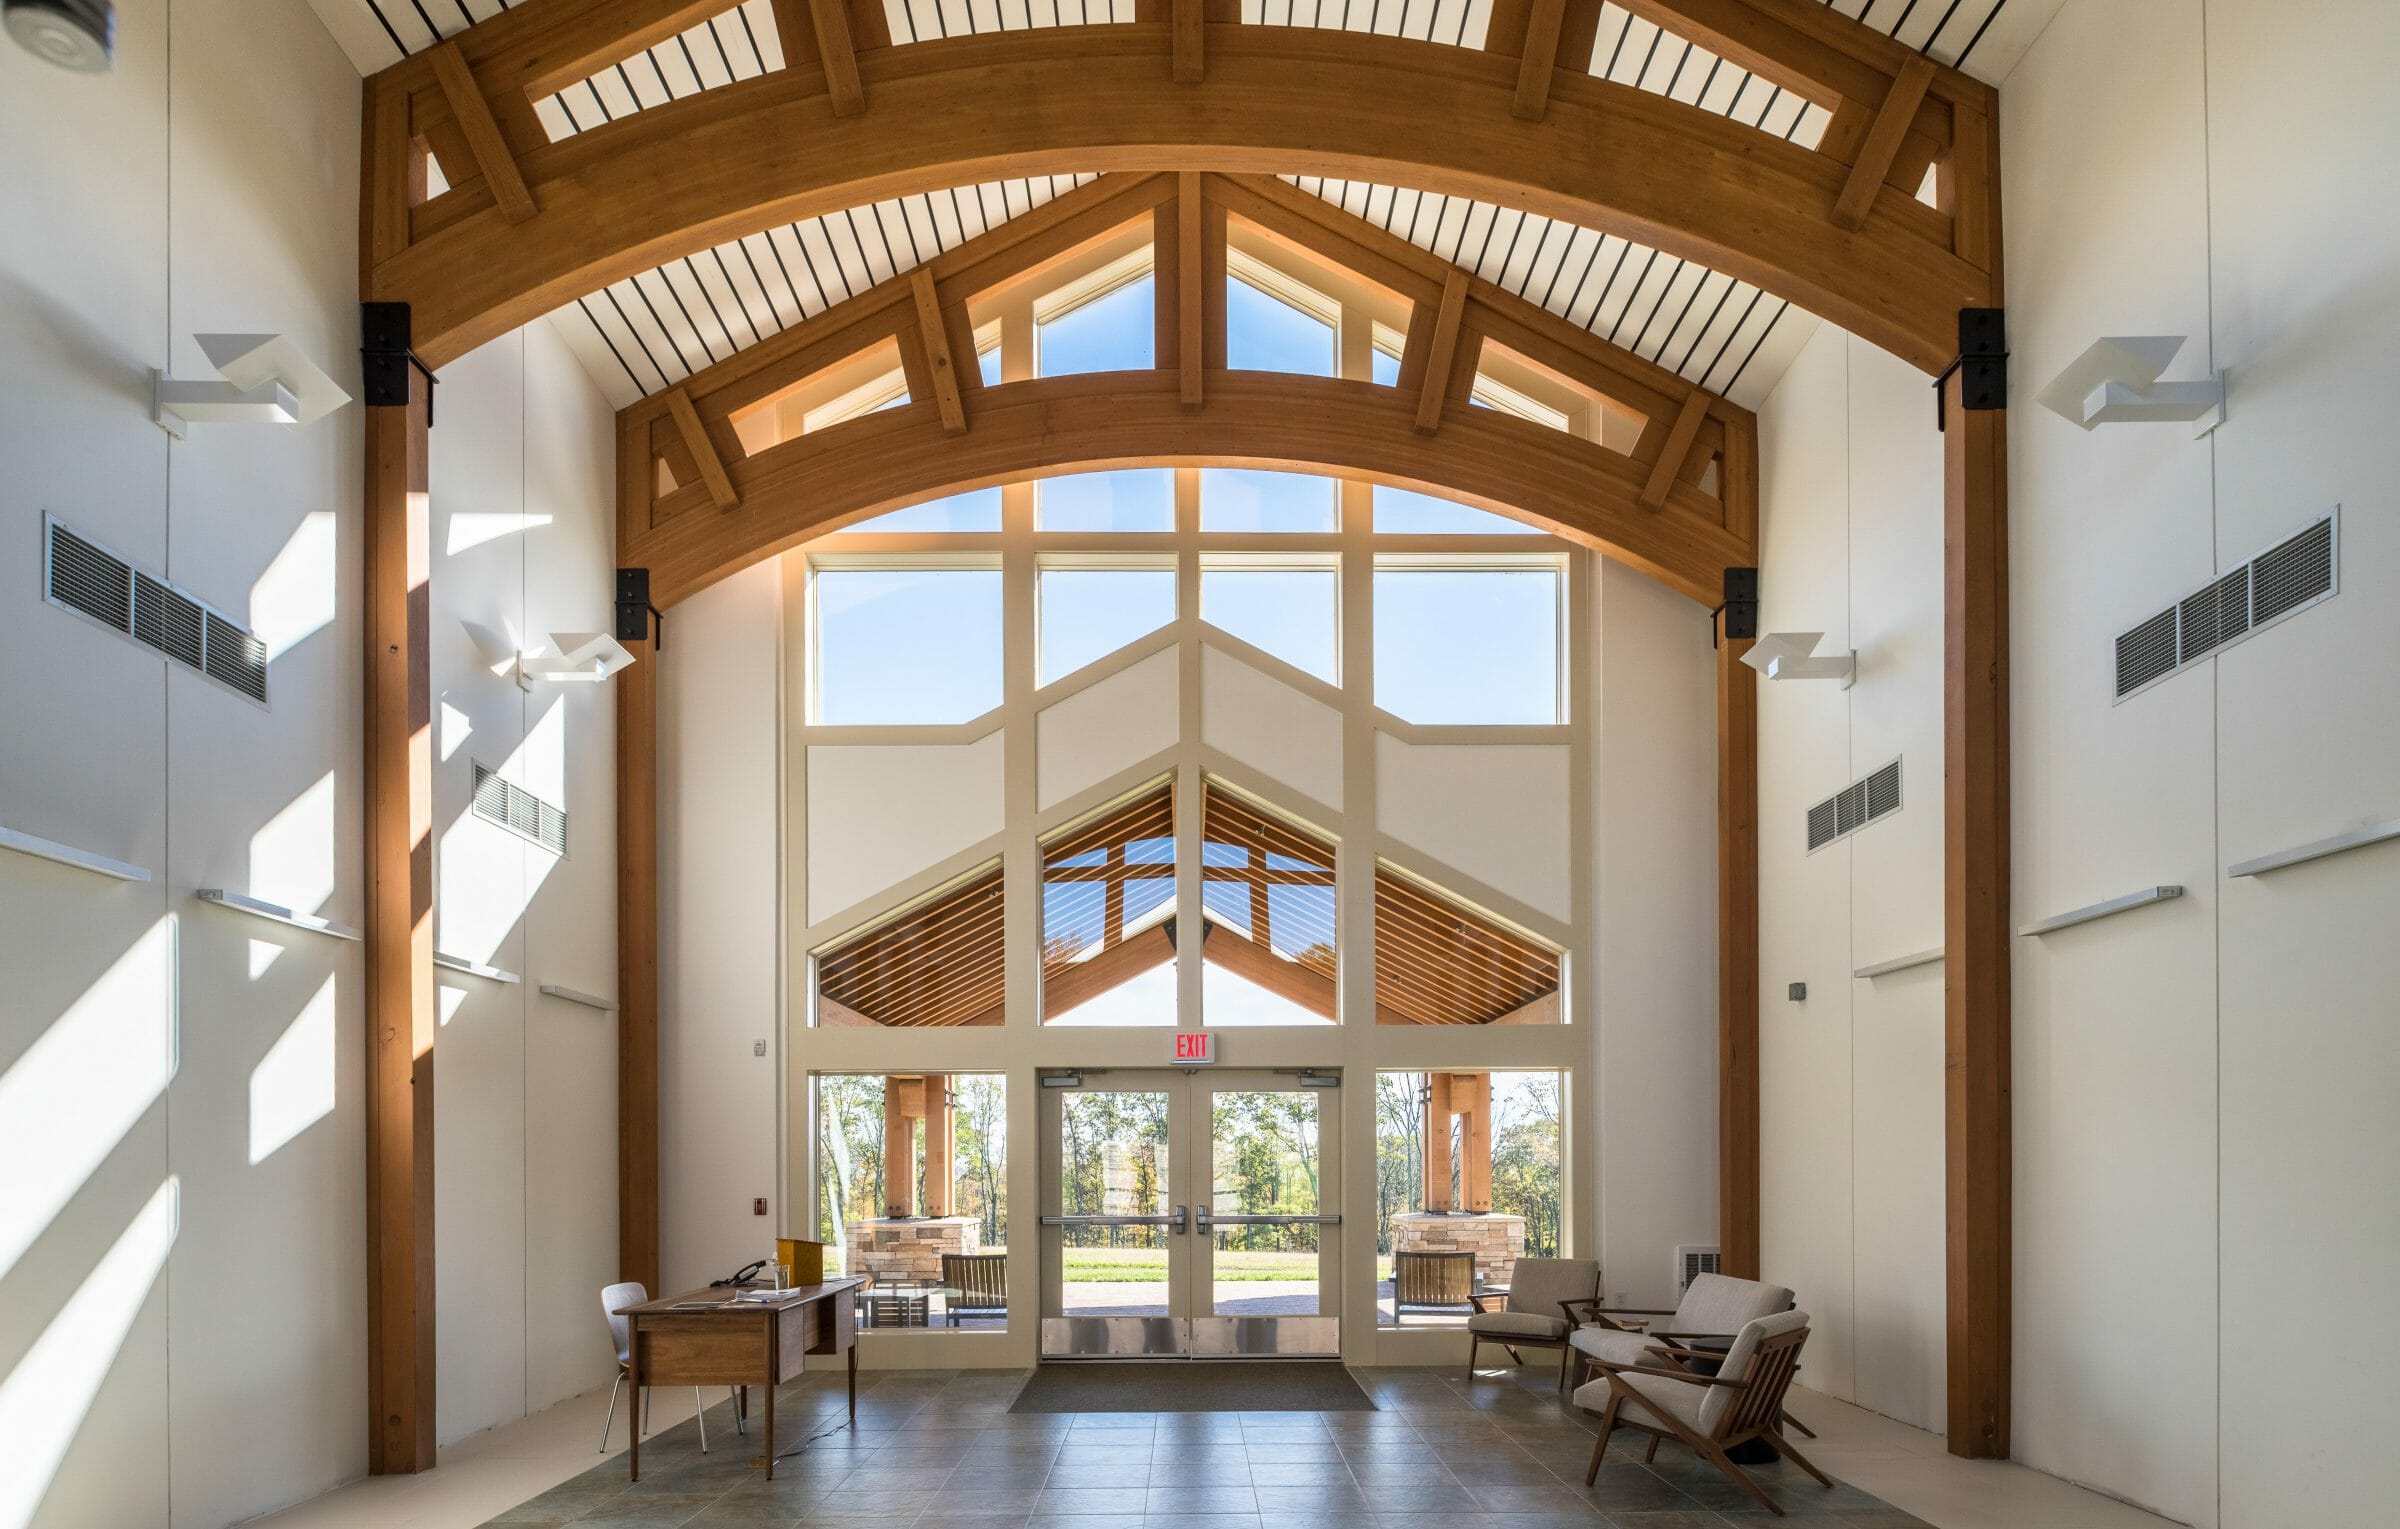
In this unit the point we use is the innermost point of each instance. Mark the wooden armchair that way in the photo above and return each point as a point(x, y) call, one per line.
point(974, 1285)
point(1432, 1284)
point(1543, 1294)
point(1708, 1413)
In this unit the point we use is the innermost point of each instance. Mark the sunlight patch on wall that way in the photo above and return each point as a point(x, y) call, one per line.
point(291, 857)
point(263, 954)
point(452, 1000)
point(473, 530)
point(76, 1091)
point(456, 729)
point(292, 1087)
point(295, 596)
point(45, 1399)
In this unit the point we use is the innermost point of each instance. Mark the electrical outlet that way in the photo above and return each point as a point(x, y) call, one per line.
point(758, 1207)
point(758, 1048)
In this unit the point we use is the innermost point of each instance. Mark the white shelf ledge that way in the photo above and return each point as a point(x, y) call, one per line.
point(2141, 899)
point(276, 913)
point(605, 1005)
point(473, 968)
point(2356, 838)
point(1900, 963)
point(67, 854)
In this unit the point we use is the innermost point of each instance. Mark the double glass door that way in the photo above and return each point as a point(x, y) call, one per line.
point(1190, 1214)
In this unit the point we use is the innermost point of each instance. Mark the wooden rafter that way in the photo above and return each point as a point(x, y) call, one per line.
point(1438, 962)
point(1069, 100)
point(800, 486)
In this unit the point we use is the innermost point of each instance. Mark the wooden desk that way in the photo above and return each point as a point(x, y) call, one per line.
point(705, 1338)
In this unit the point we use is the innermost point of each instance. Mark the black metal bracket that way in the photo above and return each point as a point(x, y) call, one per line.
point(387, 366)
point(635, 612)
point(1740, 607)
point(1981, 364)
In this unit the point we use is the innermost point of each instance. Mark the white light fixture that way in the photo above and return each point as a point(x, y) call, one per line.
point(267, 381)
point(2116, 382)
point(1788, 656)
point(500, 651)
point(586, 657)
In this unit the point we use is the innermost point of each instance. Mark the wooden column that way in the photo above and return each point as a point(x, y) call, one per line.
point(903, 1105)
point(1438, 1160)
point(1471, 1096)
point(637, 967)
point(1975, 918)
point(1737, 960)
point(938, 1139)
point(399, 1008)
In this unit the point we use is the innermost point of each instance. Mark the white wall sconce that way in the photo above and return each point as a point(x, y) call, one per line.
point(1789, 656)
point(267, 381)
point(2116, 381)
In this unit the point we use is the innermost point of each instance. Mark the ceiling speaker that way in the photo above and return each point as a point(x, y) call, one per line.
point(73, 34)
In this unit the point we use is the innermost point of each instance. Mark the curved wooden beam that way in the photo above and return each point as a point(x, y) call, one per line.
point(727, 162)
point(810, 485)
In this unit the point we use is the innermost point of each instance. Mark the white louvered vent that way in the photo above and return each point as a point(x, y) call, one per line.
point(80, 575)
point(2286, 578)
point(1692, 1260)
point(1854, 806)
point(519, 811)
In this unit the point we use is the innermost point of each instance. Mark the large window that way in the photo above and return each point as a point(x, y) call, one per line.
point(1108, 917)
point(1114, 331)
point(912, 1191)
point(1466, 1178)
point(1087, 613)
point(1291, 610)
point(1468, 643)
point(1266, 891)
point(1265, 332)
point(903, 645)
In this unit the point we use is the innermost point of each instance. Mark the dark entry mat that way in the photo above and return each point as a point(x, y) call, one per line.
point(1232, 1385)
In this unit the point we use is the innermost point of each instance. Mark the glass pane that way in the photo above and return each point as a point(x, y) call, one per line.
point(987, 365)
point(1403, 512)
point(1475, 646)
point(1264, 1163)
point(1128, 499)
point(1293, 613)
point(1267, 334)
point(975, 510)
point(1266, 889)
point(1253, 499)
point(1385, 367)
point(906, 645)
point(1089, 613)
point(1421, 1114)
point(1114, 333)
point(1108, 895)
point(1113, 1162)
point(936, 1246)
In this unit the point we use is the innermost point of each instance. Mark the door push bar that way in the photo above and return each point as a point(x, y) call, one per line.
point(1174, 1223)
point(1207, 1221)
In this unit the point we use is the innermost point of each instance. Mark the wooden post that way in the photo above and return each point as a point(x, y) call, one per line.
point(1471, 1094)
point(938, 1141)
point(1438, 1161)
point(1975, 933)
point(1737, 960)
point(903, 1102)
point(637, 966)
point(399, 1008)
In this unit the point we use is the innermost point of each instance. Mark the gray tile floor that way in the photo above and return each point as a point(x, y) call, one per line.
point(940, 1450)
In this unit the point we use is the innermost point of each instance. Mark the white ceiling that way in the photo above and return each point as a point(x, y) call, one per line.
point(656, 328)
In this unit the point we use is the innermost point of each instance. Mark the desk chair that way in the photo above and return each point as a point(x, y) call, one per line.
point(614, 1300)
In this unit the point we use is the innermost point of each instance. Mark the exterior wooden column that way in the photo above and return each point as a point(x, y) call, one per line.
point(1975, 934)
point(400, 1008)
point(1471, 1096)
point(1737, 960)
point(1438, 1162)
point(938, 1139)
point(637, 967)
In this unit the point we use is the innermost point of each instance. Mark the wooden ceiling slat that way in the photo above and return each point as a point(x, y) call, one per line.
point(1437, 963)
point(942, 962)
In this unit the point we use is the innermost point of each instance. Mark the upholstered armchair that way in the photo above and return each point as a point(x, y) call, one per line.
point(1713, 1306)
point(1543, 1295)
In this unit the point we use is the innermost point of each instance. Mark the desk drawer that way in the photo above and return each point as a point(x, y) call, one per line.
point(703, 1350)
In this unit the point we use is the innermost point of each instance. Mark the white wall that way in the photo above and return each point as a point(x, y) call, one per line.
point(2204, 1154)
point(525, 1165)
point(178, 1083)
point(720, 911)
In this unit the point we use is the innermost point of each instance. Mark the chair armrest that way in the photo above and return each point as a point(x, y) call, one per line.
point(1634, 1311)
point(1706, 1356)
point(1686, 1376)
point(1578, 1312)
point(1669, 1332)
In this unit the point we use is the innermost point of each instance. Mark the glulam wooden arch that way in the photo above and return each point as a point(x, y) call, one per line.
point(1681, 504)
point(526, 225)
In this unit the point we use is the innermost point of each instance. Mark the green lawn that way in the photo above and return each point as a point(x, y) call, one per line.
point(1086, 1266)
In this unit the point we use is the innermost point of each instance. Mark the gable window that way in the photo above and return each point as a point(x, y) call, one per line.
point(1271, 330)
point(1108, 917)
point(1469, 643)
point(1112, 330)
point(939, 963)
point(1266, 894)
point(1441, 962)
point(1087, 613)
point(909, 645)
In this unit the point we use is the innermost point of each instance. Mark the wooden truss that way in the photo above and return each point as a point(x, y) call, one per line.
point(694, 507)
point(525, 225)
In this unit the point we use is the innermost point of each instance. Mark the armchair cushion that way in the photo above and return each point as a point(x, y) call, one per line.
point(1719, 1303)
point(1611, 1345)
point(1539, 1285)
point(1713, 1406)
point(1678, 1399)
point(1517, 1324)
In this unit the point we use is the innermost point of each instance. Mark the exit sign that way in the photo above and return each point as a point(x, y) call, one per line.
point(1195, 1048)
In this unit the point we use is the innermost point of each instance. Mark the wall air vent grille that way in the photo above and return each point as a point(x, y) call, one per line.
point(2288, 577)
point(1854, 806)
point(82, 576)
point(1691, 1261)
point(519, 811)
